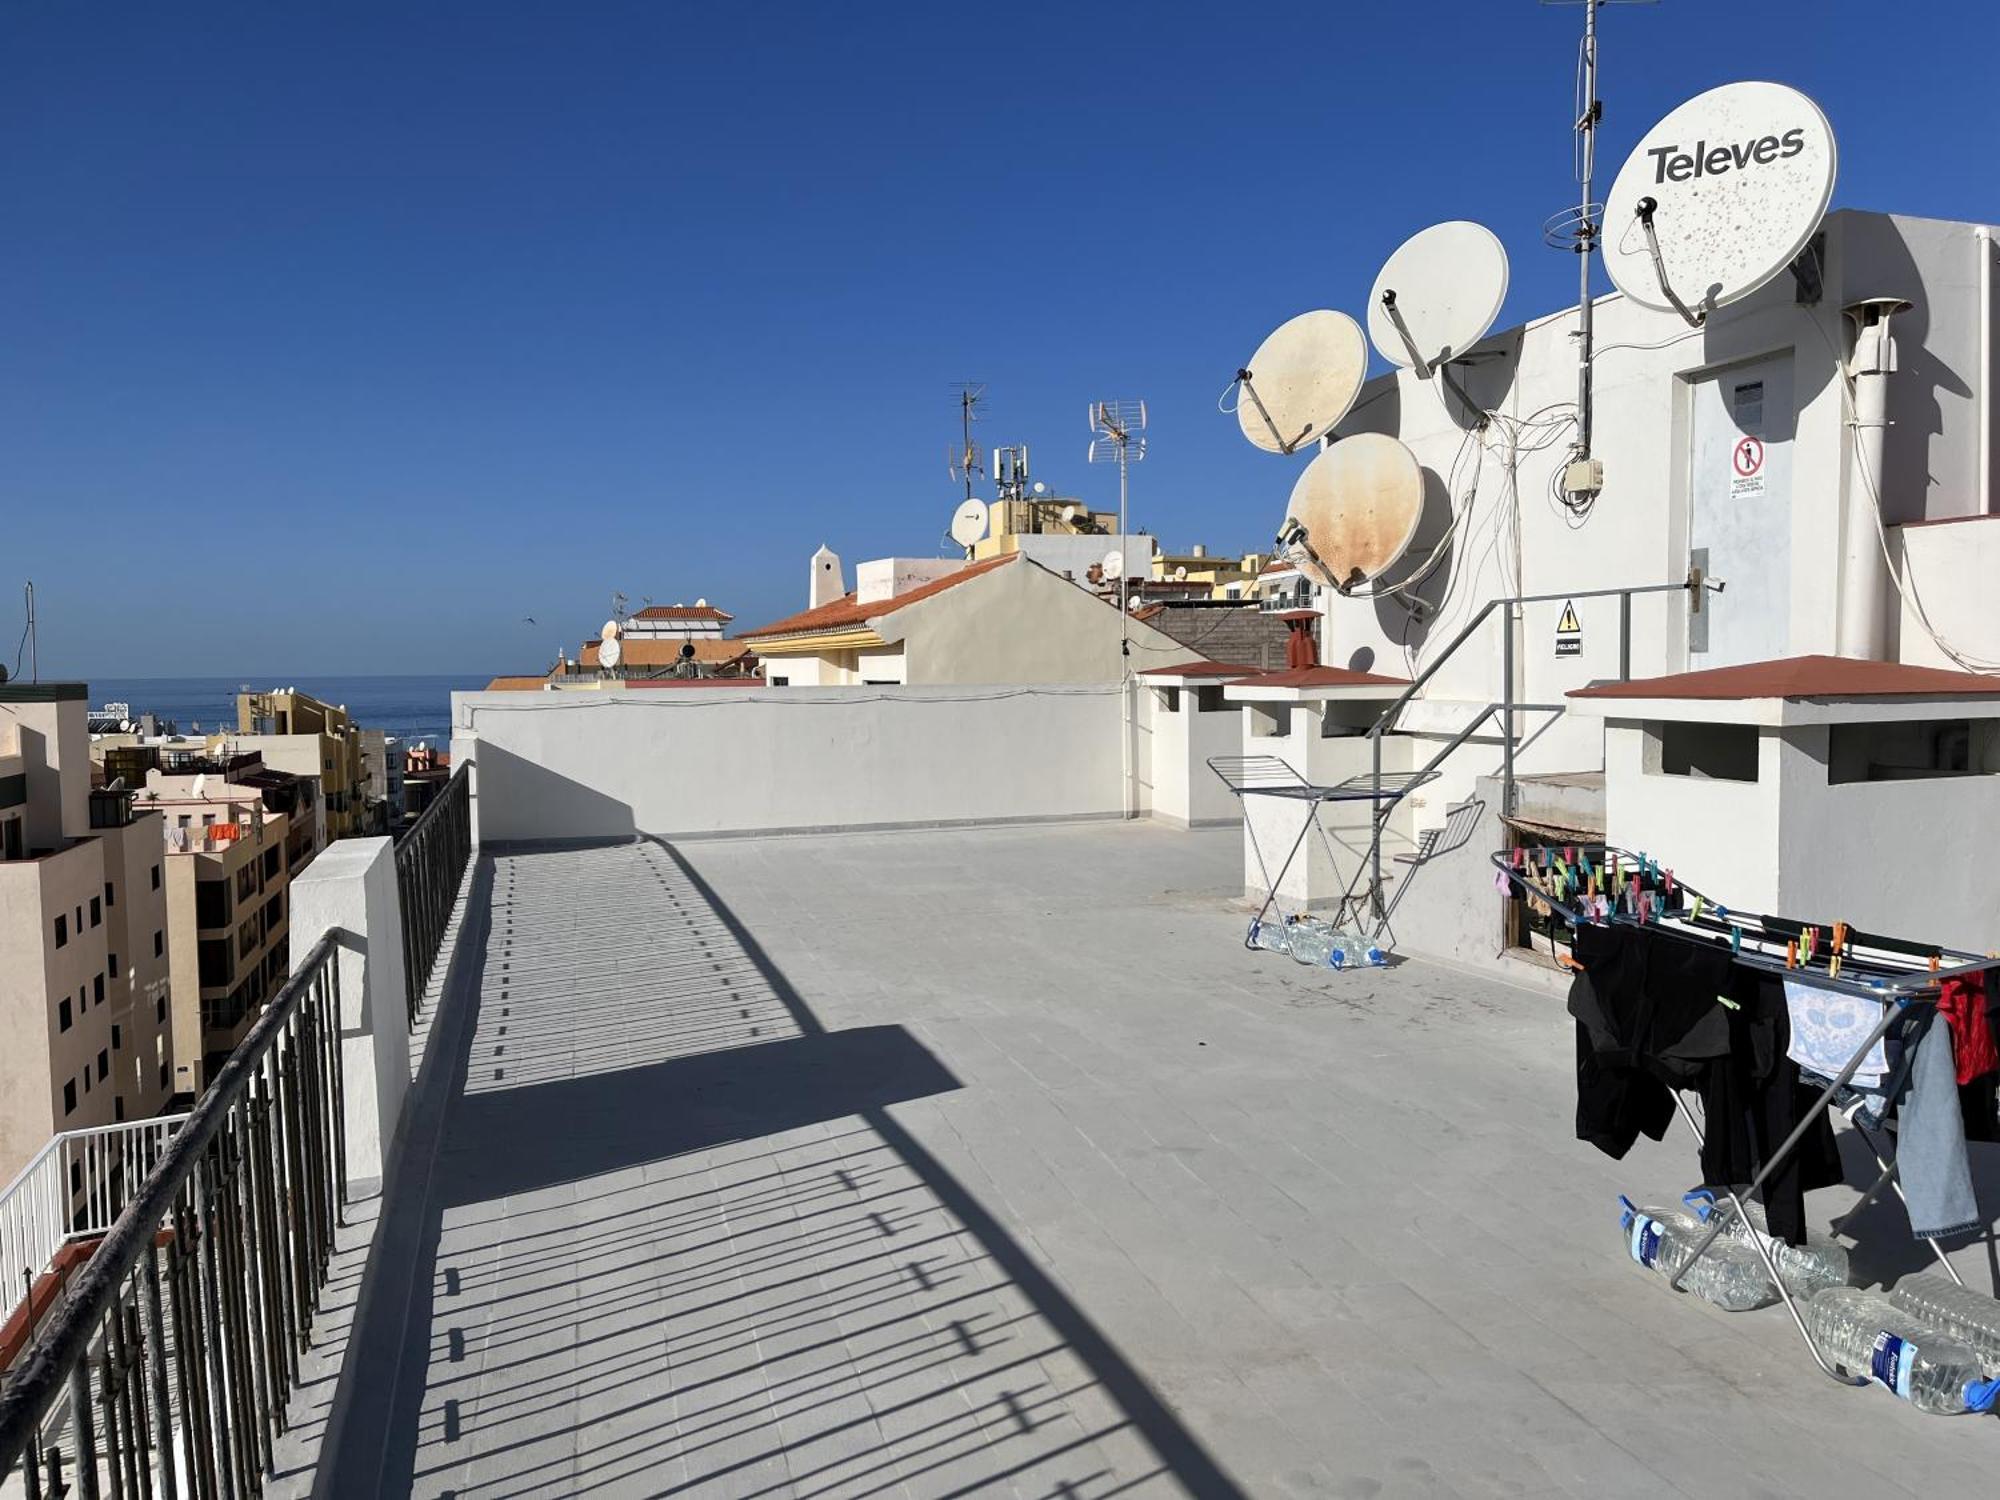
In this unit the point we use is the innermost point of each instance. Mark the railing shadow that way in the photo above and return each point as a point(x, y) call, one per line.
point(830, 1312)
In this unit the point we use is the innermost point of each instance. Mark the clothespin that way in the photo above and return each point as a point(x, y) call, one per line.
point(1642, 905)
point(1735, 941)
point(1670, 882)
point(1635, 893)
point(1934, 963)
point(1519, 853)
point(1697, 908)
point(1792, 954)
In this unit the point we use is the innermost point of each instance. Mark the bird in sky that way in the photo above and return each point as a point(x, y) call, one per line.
point(527, 619)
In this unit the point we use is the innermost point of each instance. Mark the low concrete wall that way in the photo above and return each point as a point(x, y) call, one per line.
point(351, 889)
point(688, 762)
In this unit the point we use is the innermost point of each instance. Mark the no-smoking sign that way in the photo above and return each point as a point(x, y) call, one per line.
point(1746, 465)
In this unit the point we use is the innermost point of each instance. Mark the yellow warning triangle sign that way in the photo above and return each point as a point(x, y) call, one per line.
point(1568, 625)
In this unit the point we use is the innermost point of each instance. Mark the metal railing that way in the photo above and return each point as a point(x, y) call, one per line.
point(74, 1188)
point(167, 1367)
point(430, 863)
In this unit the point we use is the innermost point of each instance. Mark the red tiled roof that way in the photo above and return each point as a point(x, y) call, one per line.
point(1804, 677)
point(849, 611)
point(1312, 677)
point(1275, 566)
point(516, 684)
point(1289, 615)
point(1203, 669)
point(681, 612)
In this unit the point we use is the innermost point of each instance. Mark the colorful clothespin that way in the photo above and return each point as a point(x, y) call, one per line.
point(1697, 908)
point(1735, 941)
point(1670, 882)
point(1792, 954)
point(1934, 963)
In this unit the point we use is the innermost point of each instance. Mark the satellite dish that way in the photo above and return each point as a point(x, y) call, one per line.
point(1353, 511)
point(1718, 198)
point(1040, 488)
point(968, 523)
point(1301, 381)
point(1114, 564)
point(610, 632)
point(1180, 574)
point(1437, 295)
point(609, 652)
point(200, 782)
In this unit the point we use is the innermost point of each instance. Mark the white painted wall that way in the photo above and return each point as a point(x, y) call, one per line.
point(351, 890)
point(1638, 532)
point(1950, 567)
point(696, 761)
point(1721, 836)
point(1186, 793)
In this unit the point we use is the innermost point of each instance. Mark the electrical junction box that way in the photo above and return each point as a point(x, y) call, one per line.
point(1584, 477)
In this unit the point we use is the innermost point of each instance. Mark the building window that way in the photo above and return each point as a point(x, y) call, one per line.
point(159, 944)
point(62, 932)
point(1270, 720)
point(1208, 699)
point(156, 877)
point(118, 1108)
point(97, 988)
point(69, 1097)
point(86, 1077)
point(111, 964)
point(75, 1178)
point(211, 903)
point(63, 1018)
point(96, 911)
point(160, 1010)
point(103, 1065)
point(1702, 752)
point(110, 895)
point(117, 1039)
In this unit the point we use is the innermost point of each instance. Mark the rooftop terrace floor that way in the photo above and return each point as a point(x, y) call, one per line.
point(990, 1162)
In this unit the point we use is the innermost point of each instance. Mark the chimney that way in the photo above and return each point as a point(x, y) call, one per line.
point(827, 584)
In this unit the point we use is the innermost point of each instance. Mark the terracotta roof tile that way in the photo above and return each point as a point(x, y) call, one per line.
point(1804, 677)
point(682, 612)
point(516, 684)
point(635, 652)
point(1312, 677)
point(1203, 669)
point(848, 612)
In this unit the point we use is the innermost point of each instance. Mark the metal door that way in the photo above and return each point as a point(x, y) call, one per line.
point(1740, 513)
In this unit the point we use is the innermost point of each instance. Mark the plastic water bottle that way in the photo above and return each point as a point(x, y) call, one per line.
point(1728, 1274)
point(1312, 942)
point(1867, 1334)
point(1353, 951)
point(1969, 1316)
point(1808, 1269)
point(1268, 935)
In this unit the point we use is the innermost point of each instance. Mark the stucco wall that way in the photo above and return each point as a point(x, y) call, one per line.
point(694, 761)
point(1638, 532)
point(1185, 791)
point(1722, 836)
point(1950, 569)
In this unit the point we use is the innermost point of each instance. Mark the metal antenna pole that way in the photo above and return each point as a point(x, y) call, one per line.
point(1113, 425)
point(1586, 228)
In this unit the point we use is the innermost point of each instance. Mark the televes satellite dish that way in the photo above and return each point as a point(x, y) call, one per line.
point(1437, 295)
point(1301, 381)
point(1353, 511)
point(610, 632)
point(609, 652)
point(1114, 564)
point(1732, 185)
point(968, 523)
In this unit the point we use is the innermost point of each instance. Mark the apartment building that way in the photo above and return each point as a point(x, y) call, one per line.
point(296, 732)
point(228, 908)
point(85, 1004)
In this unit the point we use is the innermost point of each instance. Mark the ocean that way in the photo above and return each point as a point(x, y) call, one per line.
point(416, 709)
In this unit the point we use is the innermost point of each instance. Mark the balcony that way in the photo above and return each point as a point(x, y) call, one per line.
point(985, 1159)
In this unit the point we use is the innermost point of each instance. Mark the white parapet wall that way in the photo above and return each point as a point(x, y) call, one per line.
point(690, 761)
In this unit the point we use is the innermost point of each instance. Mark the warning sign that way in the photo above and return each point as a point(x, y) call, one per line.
point(1746, 469)
point(1569, 632)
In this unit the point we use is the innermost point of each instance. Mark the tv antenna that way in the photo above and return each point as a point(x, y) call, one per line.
point(1118, 435)
point(1301, 381)
point(618, 603)
point(963, 461)
point(1579, 229)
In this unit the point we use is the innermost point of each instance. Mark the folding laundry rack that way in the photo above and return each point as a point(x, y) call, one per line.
point(1268, 776)
point(1894, 971)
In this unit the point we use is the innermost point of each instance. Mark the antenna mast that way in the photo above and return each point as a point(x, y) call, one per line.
point(1578, 229)
point(964, 463)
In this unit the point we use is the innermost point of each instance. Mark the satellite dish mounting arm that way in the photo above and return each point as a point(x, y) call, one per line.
point(1285, 445)
point(1647, 208)
point(1425, 368)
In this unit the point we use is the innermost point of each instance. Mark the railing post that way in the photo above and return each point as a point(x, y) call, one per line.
point(1625, 636)
point(1507, 711)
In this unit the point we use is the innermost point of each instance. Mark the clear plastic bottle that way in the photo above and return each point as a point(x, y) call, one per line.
point(1728, 1274)
point(1268, 934)
point(1867, 1334)
point(1808, 1269)
point(1312, 942)
point(1353, 951)
point(1969, 1316)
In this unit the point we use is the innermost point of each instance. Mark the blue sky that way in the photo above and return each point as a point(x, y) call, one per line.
point(342, 337)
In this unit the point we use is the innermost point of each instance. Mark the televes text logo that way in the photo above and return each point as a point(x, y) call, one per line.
point(1671, 164)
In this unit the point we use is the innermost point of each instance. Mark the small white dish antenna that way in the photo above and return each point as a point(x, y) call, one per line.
point(611, 631)
point(200, 783)
point(1301, 381)
point(968, 523)
point(1437, 295)
point(609, 651)
point(1180, 574)
point(1718, 198)
point(1353, 511)
point(1040, 488)
point(1114, 564)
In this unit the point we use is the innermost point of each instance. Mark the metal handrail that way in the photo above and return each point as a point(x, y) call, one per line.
point(235, 1223)
point(430, 864)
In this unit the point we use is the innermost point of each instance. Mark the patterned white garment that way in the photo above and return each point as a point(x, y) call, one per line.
point(1828, 1028)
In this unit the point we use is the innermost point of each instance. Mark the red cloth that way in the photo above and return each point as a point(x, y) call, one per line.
point(1962, 1002)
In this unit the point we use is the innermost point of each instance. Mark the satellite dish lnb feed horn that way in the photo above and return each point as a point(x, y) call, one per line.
point(1646, 209)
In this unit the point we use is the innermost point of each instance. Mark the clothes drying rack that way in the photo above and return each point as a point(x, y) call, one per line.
point(1270, 776)
point(1604, 884)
